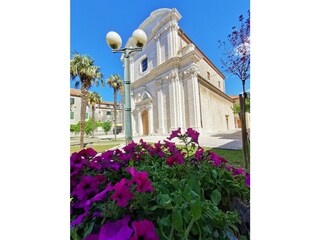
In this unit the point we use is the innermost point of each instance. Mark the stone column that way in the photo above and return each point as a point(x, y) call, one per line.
point(157, 38)
point(140, 128)
point(173, 103)
point(160, 104)
point(150, 119)
point(194, 100)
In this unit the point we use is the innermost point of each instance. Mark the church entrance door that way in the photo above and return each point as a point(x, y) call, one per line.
point(145, 122)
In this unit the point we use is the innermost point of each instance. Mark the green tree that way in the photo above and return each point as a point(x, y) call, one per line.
point(82, 69)
point(115, 82)
point(236, 106)
point(106, 126)
point(93, 99)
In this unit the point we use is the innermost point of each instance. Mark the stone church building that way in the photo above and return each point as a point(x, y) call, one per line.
point(173, 83)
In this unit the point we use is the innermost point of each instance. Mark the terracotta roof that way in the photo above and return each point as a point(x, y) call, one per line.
point(75, 92)
point(234, 97)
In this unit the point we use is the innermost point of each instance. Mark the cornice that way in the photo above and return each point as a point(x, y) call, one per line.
point(216, 90)
point(188, 40)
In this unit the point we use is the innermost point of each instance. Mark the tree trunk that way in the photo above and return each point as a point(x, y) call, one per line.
point(115, 112)
point(92, 121)
point(245, 145)
point(84, 92)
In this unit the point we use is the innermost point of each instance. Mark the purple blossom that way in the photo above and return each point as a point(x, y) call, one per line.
point(216, 159)
point(130, 148)
point(87, 187)
point(145, 145)
point(247, 180)
point(101, 195)
point(88, 153)
point(118, 230)
point(238, 171)
point(76, 163)
point(174, 134)
point(175, 158)
point(122, 193)
point(79, 219)
point(199, 154)
point(140, 179)
point(92, 237)
point(171, 146)
point(144, 229)
point(194, 135)
point(157, 149)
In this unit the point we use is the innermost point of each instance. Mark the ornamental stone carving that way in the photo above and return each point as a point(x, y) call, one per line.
point(157, 82)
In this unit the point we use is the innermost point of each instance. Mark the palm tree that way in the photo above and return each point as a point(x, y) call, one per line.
point(93, 99)
point(115, 82)
point(82, 66)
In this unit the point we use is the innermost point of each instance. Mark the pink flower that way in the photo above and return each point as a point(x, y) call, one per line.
point(175, 158)
point(174, 134)
point(198, 154)
point(144, 229)
point(193, 134)
point(122, 193)
point(247, 180)
point(140, 179)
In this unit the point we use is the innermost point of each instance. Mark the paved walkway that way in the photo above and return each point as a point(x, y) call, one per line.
point(225, 140)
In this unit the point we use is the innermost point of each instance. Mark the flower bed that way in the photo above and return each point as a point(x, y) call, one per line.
point(156, 191)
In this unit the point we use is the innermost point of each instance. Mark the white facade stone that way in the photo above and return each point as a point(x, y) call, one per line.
point(175, 89)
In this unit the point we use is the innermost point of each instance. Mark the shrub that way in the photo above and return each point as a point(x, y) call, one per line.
point(75, 128)
point(156, 192)
point(106, 126)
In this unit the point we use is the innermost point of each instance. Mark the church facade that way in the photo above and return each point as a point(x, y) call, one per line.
point(173, 84)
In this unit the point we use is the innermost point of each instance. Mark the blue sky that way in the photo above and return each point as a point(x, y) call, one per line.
point(205, 22)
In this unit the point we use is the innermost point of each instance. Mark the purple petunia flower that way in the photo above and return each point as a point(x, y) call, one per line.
point(216, 160)
point(122, 193)
point(88, 153)
point(87, 186)
point(100, 196)
point(171, 146)
point(174, 134)
point(140, 178)
point(144, 229)
point(199, 153)
point(247, 180)
point(175, 158)
point(194, 135)
point(80, 218)
point(130, 148)
point(118, 230)
point(92, 237)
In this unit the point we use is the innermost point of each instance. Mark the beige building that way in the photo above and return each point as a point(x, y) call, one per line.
point(103, 112)
point(237, 120)
point(174, 84)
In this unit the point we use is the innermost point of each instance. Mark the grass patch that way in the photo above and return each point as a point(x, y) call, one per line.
point(98, 148)
point(234, 157)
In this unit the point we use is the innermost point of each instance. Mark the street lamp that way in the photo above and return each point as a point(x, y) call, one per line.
point(138, 39)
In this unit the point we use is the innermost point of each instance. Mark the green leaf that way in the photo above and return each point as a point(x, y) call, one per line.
point(215, 173)
point(196, 209)
point(177, 219)
point(216, 197)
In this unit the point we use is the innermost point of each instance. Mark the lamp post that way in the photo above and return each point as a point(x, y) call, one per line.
point(138, 39)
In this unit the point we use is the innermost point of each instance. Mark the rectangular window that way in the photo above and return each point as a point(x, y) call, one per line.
point(71, 115)
point(144, 64)
point(208, 75)
point(87, 115)
point(71, 101)
point(219, 84)
point(108, 113)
